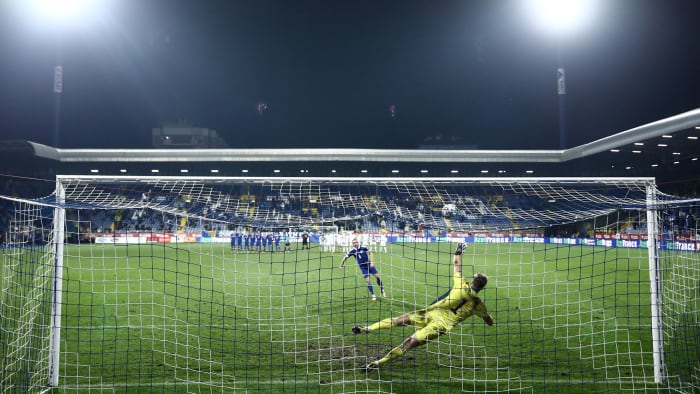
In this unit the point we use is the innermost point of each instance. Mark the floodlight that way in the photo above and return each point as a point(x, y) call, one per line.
point(60, 10)
point(560, 16)
point(63, 14)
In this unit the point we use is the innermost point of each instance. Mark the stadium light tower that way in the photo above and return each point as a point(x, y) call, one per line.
point(56, 16)
point(561, 19)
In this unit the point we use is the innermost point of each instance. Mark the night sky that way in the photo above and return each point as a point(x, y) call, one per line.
point(350, 74)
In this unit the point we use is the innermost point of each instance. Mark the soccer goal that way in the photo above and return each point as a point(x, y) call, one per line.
point(183, 284)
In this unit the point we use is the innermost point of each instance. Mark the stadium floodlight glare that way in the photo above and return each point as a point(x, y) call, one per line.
point(561, 17)
point(55, 17)
point(65, 9)
point(65, 13)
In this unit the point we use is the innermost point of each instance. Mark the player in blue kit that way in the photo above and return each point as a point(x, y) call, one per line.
point(246, 242)
point(270, 238)
point(258, 242)
point(365, 260)
point(277, 237)
point(239, 240)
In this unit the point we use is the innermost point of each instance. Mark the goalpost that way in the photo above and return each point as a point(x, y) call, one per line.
point(134, 283)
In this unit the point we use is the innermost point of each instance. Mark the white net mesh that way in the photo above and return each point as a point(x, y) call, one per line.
point(208, 285)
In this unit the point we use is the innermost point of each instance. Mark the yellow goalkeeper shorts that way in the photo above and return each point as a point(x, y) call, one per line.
point(431, 324)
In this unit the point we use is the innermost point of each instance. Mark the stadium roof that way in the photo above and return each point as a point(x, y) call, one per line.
point(668, 148)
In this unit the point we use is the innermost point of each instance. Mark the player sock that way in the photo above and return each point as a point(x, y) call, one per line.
point(393, 353)
point(386, 323)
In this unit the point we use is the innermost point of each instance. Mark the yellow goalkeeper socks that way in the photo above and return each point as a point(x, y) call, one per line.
point(386, 323)
point(393, 353)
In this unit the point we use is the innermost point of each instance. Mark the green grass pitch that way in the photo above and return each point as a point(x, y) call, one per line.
point(201, 318)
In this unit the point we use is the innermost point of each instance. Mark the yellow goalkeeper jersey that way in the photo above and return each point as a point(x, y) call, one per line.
point(460, 303)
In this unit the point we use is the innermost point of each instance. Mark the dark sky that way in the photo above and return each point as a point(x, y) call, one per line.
point(476, 72)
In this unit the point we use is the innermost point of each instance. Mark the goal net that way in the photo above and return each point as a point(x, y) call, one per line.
point(119, 284)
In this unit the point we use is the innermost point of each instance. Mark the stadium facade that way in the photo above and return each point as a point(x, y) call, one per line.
point(667, 149)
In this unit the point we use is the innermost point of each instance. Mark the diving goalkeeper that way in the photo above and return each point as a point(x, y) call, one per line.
point(440, 317)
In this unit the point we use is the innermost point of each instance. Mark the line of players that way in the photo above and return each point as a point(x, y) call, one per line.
point(329, 242)
point(261, 242)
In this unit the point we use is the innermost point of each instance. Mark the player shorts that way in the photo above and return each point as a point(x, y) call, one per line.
point(431, 324)
point(366, 270)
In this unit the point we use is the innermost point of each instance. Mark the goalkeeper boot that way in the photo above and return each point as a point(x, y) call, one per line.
point(383, 294)
point(359, 330)
point(374, 365)
point(374, 297)
point(460, 248)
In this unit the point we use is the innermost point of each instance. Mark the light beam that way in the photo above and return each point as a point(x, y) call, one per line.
point(48, 15)
point(561, 17)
